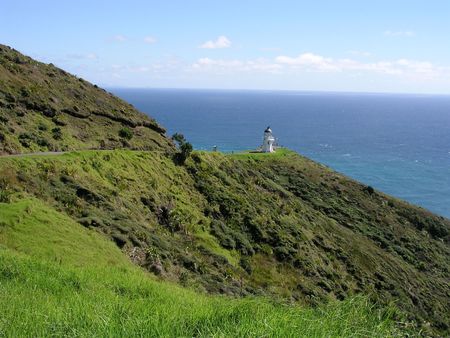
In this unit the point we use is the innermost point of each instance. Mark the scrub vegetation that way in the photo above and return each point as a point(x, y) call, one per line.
point(59, 279)
point(43, 108)
point(136, 241)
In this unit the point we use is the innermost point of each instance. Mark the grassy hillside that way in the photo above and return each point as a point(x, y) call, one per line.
point(278, 226)
point(60, 279)
point(43, 108)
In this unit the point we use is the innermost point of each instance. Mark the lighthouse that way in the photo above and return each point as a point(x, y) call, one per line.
point(268, 141)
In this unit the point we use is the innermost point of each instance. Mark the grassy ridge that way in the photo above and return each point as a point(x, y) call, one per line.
point(59, 279)
point(277, 226)
point(43, 108)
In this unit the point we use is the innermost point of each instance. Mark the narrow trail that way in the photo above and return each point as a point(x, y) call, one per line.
point(43, 153)
point(57, 153)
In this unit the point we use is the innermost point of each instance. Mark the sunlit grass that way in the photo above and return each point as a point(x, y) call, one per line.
point(59, 279)
point(40, 298)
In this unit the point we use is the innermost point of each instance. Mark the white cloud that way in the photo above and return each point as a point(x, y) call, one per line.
point(162, 66)
point(221, 42)
point(220, 65)
point(318, 63)
point(150, 39)
point(120, 38)
point(310, 62)
point(407, 34)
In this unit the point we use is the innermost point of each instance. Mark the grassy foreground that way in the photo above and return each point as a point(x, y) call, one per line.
point(60, 279)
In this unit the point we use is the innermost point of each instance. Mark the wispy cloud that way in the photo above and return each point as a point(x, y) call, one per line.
point(406, 33)
point(161, 66)
point(257, 65)
point(221, 42)
point(150, 39)
point(120, 38)
point(318, 63)
point(310, 62)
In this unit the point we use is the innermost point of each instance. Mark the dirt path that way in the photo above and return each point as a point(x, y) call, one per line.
point(43, 153)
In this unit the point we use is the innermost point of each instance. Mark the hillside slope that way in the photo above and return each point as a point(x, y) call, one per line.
point(273, 225)
point(276, 225)
point(58, 279)
point(43, 108)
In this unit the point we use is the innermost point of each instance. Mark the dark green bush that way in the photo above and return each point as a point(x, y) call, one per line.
point(184, 148)
point(5, 196)
point(370, 190)
point(25, 139)
point(126, 133)
point(42, 142)
point(57, 133)
point(42, 126)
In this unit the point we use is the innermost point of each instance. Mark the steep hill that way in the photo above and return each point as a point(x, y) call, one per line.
point(43, 108)
point(277, 225)
point(58, 279)
point(273, 225)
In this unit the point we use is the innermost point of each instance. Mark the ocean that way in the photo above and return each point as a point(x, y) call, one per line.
point(399, 144)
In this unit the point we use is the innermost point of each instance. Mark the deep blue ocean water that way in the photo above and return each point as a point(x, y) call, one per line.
point(399, 144)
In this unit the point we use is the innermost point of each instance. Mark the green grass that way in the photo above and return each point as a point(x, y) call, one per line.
point(43, 299)
point(43, 108)
point(59, 279)
point(275, 225)
point(280, 152)
point(31, 228)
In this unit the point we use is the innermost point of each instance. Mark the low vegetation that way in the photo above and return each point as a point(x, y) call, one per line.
point(271, 225)
point(59, 279)
point(184, 148)
point(176, 242)
point(43, 108)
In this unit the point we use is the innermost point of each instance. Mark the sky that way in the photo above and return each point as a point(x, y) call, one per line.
point(348, 45)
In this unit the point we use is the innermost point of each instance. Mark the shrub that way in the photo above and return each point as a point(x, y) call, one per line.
point(126, 133)
point(370, 190)
point(179, 138)
point(42, 126)
point(5, 196)
point(184, 148)
point(57, 133)
point(25, 92)
point(25, 139)
point(42, 142)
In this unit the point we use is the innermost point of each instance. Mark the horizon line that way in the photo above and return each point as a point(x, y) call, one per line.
point(275, 90)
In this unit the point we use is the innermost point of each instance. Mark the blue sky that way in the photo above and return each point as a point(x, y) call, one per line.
point(347, 45)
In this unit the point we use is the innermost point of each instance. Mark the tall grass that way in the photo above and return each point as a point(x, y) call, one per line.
point(60, 279)
point(41, 298)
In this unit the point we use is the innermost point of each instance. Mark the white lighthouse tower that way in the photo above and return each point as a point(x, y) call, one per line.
point(268, 141)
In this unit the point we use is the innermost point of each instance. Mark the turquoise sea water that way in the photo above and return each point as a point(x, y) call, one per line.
point(399, 144)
